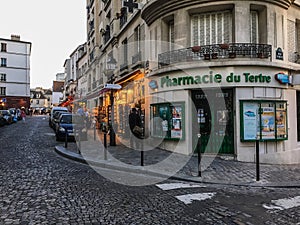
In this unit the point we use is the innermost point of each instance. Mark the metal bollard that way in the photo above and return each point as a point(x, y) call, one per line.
point(79, 142)
point(105, 145)
point(142, 154)
point(199, 154)
point(257, 160)
point(94, 131)
point(66, 138)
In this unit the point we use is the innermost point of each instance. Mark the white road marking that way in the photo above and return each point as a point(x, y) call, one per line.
point(282, 204)
point(188, 199)
point(50, 134)
point(172, 186)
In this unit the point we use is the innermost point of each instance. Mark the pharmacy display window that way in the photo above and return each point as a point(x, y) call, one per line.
point(168, 120)
point(263, 120)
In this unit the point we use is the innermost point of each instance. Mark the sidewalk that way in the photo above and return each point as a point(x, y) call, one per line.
point(157, 162)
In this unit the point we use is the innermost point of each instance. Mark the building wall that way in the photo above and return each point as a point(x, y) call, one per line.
point(17, 70)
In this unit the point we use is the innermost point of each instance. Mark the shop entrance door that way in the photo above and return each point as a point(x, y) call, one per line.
point(214, 120)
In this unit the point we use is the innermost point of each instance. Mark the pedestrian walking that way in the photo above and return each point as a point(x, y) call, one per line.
point(135, 124)
point(23, 115)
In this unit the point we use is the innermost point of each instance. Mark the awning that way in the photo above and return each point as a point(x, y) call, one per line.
point(66, 102)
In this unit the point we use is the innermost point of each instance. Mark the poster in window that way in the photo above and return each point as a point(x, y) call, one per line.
point(281, 122)
point(176, 131)
point(250, 119)
point(164, 119)
point(268, 123)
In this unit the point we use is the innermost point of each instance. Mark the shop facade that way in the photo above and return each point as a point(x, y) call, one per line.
point(229, 108)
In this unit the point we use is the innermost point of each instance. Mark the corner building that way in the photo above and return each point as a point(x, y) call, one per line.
point(228, 72)
point(225, 72)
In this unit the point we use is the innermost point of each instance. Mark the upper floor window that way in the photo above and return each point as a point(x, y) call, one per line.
point(171, 34)
point(3, 62)
point(254, 27)
point(212, 28)
point(3, 47)
point(2, 77)
point(2, 90)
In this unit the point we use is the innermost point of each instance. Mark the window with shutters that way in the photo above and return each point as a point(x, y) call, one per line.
point(211, 28)
point(171, 35)
point(291, 27)
point(2, 77)
point(3, 62)
point(3, 47)
point(2, 90)
point(254, 27)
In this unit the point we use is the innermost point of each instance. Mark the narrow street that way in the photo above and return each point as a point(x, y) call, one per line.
point(38, 186)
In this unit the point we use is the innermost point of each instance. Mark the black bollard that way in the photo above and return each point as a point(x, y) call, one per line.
point(199, 154)
point(66, 138)
point(94, 131)
point(257, 160)
point(142, 153)
point(105, 145)
point(79, 142)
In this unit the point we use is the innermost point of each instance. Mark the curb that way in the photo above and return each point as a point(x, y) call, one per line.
point(111, 165)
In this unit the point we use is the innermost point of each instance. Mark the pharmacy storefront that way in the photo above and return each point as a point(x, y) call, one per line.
point(229, 109)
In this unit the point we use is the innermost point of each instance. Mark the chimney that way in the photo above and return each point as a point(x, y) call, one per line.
point(15, 37)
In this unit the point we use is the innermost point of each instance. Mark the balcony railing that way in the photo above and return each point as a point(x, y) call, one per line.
point(216, 51)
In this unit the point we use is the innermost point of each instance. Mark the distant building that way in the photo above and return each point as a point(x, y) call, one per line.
point(40, 98)
point(57, 92)
point(60, 76)
point(14, 72)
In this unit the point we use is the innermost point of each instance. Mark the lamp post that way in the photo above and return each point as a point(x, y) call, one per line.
point(111, 65)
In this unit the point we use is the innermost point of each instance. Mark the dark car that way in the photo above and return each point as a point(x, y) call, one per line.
point(55, 109)
point(73, 124)
point(55, 118)
point(2, 120)
point(7, 116)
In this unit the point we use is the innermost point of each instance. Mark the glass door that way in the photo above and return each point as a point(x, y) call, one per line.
point(214, 116)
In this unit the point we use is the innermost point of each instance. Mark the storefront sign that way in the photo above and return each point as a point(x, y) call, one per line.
point(153, 84)
point(282, 78)
point(214, 78)
point(112, 86)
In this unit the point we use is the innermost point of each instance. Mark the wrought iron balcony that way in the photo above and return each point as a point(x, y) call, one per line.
point(216, 51)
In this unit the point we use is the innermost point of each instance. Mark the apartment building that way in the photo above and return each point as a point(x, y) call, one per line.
point(222, 72)
point(14, 73)
point(40, 99)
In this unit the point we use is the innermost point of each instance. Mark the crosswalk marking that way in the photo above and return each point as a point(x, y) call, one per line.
point(172, 186)
point(189, 198)
point(282, 204)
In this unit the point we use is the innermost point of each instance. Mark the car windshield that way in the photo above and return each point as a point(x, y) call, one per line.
point(71, 119)
point(4, 112)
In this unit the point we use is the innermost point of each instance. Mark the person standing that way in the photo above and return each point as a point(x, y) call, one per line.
point(23, 115)
point(135, 135)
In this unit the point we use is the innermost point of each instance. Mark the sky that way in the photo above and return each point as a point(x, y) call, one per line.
point(54, 27)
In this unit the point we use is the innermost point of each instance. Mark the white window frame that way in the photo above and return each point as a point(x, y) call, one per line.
point(252, 39)
point(197, 41)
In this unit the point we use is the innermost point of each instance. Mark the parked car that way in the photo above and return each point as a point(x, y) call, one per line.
point(56, 116)
point(55, 109)
point(2, 120)
point(7, 116)
point(73, 124)
point(15, 114)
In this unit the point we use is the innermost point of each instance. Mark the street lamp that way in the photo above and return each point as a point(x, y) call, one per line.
point(111, 65)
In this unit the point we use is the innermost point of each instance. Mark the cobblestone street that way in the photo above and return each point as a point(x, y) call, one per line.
point(39, 186)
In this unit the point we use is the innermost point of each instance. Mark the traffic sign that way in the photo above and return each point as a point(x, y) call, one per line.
point(112, 86)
